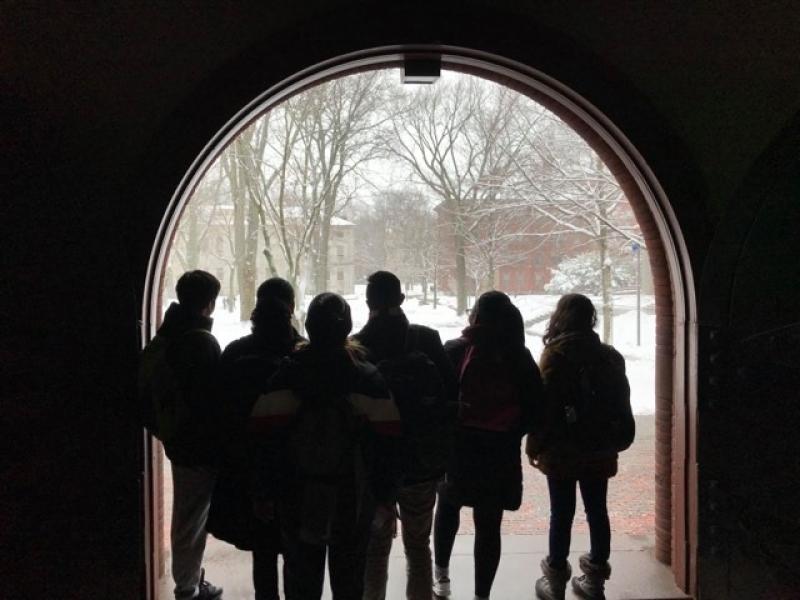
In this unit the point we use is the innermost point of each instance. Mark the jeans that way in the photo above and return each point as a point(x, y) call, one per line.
point(487, 540)
point(415, 503)
point(562, 512)
point(192, 489)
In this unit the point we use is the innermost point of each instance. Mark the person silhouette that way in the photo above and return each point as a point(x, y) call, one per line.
point(588, 421)
point(245, 364)
point(422, 381)
point(330, 440)
point(176, 380)
point(500, 398)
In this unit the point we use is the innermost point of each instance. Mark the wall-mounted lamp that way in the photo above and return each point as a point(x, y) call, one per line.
point(421, 70)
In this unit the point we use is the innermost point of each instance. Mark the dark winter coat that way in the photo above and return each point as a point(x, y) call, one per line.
point(387, 336)
point(555, 453)
point(245, 365)
point(384, 336)
point(193, 355)
point(486, 468)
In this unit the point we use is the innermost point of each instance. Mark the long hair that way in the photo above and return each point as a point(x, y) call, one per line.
point(574, 313)
point(499, 321)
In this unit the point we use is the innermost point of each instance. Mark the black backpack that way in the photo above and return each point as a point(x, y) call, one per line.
point(598, 412)
point(325, 450)
point(166, 411)
point(418, 391)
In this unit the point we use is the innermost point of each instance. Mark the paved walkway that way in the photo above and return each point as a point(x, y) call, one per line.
point(637, 575)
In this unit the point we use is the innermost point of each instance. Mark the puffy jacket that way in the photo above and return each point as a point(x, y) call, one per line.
point(556, 454)
point(329, 373)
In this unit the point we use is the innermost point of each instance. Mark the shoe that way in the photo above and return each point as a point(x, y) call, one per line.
point(205, 591)
point(553, 585)
point(591, 585)
point(441, 587)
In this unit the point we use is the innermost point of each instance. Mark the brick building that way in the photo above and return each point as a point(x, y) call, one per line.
point(517, 251)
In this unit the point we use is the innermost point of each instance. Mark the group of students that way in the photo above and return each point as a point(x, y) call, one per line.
point(315, 448)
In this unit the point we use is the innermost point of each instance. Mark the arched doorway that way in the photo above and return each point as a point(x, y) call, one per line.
point(675, 342)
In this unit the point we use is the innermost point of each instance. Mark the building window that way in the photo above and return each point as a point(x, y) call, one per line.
point(339, 275)
point(340, 252)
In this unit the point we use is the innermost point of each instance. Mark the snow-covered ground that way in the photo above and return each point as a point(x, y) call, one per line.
point(535, 310)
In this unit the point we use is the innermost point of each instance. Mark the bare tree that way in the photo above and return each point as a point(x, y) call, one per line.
point(397, 231)
point(245, 221)
point(196, 221)
point(564, 181)
point(487, 175)
point(449, 136)
point(338, 135)
point(294, 169)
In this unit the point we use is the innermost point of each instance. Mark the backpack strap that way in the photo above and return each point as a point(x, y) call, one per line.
point(468, 353)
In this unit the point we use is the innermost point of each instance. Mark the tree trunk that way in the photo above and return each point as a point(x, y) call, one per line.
point(267, 238)
point(605, 290)
point(436, 281)
point(461, 271)
point(489, 283)
point(245, 233)
point(192, 240)
point(321, 267)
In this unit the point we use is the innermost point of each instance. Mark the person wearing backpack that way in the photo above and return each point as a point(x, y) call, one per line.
point(176, 387)
point(419, 374)
point(328, 460)
point(588, 422)
point(500, 400)
point(244, 365)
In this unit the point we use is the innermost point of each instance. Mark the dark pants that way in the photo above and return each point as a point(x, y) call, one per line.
point(266, 548)
point(562, 512)
point(487, 540)
point(346, 555)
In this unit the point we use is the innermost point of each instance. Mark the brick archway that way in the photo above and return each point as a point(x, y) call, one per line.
point(676, 343)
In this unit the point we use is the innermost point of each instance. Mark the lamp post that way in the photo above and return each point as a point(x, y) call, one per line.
point(637, 251)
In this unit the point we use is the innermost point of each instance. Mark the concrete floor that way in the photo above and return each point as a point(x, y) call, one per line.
point(636, 574)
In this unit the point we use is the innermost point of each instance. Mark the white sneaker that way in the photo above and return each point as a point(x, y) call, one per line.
point(441, 587)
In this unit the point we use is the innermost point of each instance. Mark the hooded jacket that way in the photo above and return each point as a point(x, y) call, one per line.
point(557, 455)
point(193, 356)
